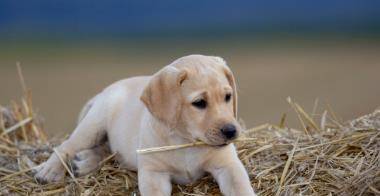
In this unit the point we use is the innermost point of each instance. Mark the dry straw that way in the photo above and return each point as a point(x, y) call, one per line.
point(325, 157)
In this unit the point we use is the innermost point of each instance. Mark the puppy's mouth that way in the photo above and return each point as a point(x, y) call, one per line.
point(213, 142)
point(229, 141)
point(217, 141)
point(214, 138)
point(225, 143)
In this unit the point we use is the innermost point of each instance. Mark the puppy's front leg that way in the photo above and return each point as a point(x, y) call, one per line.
point(152, 183)
point(230, 173)
point(233, 179)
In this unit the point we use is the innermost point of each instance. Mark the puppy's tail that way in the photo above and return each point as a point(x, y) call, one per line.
point(86, 108)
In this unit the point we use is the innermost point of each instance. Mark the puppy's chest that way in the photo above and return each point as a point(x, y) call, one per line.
point(187, 166)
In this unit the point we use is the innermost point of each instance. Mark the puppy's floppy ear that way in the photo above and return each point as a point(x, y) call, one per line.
point(162, 94)
point(231, 79)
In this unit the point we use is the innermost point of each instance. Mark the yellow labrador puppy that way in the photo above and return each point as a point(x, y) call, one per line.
point(193, 98)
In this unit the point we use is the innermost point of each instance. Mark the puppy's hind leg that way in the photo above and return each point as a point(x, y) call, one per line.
point(89, 132)
point(87, 161)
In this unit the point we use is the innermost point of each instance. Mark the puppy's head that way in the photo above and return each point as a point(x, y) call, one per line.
point(196, 96)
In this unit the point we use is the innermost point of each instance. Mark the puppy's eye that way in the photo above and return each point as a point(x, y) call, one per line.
point(228, 97)
point(201, 104)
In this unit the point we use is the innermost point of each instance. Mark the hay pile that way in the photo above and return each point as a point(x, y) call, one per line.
point(328, 158)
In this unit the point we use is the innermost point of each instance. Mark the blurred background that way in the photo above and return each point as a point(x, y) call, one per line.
point(324, 50)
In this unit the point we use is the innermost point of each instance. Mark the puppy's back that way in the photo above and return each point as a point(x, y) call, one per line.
point(133, 85)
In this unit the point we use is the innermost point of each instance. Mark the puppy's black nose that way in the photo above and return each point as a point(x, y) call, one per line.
point(229, 130)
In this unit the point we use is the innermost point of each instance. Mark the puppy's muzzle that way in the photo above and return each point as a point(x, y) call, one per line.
point(229, 131)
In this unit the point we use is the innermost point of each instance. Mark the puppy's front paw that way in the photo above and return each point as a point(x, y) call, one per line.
point(50, 171)
point(85, 162)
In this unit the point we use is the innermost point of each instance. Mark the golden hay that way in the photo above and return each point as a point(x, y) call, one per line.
point(326, 158)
